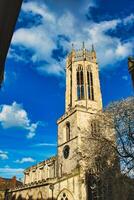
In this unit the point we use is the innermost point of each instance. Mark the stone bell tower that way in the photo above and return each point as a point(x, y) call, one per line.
point(82, 80)
point(83, 99)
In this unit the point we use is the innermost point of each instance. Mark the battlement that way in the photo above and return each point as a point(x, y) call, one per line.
point(82, 54)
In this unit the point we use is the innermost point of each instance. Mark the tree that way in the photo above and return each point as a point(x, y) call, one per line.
point(107, 144)
point(112, 133)
point(122, 115)
point(98, 158)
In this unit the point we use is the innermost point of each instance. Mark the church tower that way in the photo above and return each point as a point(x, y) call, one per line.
point(82, 80)
point(83, 100)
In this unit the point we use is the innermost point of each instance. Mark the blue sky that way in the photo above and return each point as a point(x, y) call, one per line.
point(32, 97)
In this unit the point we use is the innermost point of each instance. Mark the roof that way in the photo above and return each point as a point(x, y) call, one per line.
point(6, 183)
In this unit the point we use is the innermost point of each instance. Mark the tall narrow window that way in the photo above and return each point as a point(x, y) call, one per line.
point(67, 131)
point(80, 83)
point(90, 84)
point(92, 91)
point(78, 86)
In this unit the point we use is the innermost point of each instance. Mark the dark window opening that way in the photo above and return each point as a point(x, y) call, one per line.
point(78, 92)
point(82, 92)
point(80, 84)
point(90, 85)
point(67, 131)
point(81, 78)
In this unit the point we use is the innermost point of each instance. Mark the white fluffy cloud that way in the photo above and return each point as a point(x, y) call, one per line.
point(15, 116)
point(3, 155)
point(25, 160)
point(42, 39)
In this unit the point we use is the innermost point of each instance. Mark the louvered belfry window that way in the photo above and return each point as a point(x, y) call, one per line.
point(90, 84)
point(80, 83)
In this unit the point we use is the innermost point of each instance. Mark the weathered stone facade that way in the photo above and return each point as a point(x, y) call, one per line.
point(62, 177)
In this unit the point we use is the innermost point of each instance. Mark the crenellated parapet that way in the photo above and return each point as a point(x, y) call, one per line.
point(82, 54)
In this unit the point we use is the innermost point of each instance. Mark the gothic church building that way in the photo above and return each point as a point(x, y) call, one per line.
point(63, 177)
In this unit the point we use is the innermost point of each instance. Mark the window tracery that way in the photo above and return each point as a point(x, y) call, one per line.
point(64, 197)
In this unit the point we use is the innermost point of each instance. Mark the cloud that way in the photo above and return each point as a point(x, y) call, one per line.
point(125, 78)
point(13, 54)
point(129, 19)
point(32, 130)
point(9, 172)
point(76, 7)
point(15, 116)
point(25, 160)
point(46, 144)
point(41, 40)
point(110, 50)
point(38, 8)
point(3, 155)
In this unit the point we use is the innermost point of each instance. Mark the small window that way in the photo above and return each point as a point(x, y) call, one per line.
point(67, 131)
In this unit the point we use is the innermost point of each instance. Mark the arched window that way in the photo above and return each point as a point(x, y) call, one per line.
point(80, 83)
point(90, 84)
point(67, 131)
point(65, 195)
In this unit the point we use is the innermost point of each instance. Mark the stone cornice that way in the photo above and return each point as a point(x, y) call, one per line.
point(67, 141)
point(80, 108)
point(46, 182)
